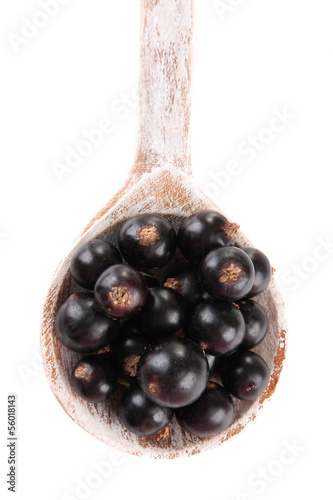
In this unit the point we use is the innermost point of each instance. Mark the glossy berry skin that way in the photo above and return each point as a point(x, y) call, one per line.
point(94, 377)
point(217, 326)
point(121, 291)
point(202, 232)
point(227, 273)
point(91, 259)
point(173, 372)
point(262, 270)
point(140, 415)
point(245, 375)
point(147, 241)
point(81, 325)
point(164, 312)
point(127, 349)
point(212, 413)
point(256, 323)
point(185, 280)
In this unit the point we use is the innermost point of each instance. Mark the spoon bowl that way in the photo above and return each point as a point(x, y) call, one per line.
point(159, 182)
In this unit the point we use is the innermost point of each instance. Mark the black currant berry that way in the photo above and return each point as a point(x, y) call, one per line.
point(227, 273)
point(94, 377)
point(256, 323)
point(202, 232)
point(121, 291)
point(164, 312)
point(185, 280)
point(147, 241)
point(212, 413)
point(81, 325)
point(140, 415)
point(217, 326)
point(91, 259)
point(262, 270)
point(245, 375)
point(127, 349)
point(173, 372)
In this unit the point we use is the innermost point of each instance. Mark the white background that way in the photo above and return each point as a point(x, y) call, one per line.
point(251, 57)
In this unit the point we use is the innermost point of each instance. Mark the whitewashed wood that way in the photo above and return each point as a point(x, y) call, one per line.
point(165, 82)
point(159, 182)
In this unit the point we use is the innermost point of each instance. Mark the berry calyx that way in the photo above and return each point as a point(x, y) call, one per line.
point(121, 291)
point(147, 241)
point(227, 273)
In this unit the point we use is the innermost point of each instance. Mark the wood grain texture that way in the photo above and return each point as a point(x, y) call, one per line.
point(165, 79)
point(158, 183)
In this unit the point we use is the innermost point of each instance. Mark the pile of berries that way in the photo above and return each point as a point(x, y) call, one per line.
point(179, 346)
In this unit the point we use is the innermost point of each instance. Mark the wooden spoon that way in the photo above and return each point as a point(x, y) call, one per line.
point(159, 182)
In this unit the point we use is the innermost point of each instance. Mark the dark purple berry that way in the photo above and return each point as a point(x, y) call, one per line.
point(94, 377)
point(127, 349)
point(217, 326)
point(173, 372)
point(81, 325)
point(262, 270)
point(256, 323)
point(91, 259)
point(140, 415)
point(212, 413)
point(202, 232)
point(185, 280)
point(227, 273)
point(164, 312)
point(121, 291)
point(147, 241)
point(245, 375)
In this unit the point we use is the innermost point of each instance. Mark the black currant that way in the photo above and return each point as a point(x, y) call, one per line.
point(164, 312)
point(127, 349)
point(227, 273)
point(147, 241)
point(256, 323)
point(185, 280)
point(212, 413)
point(94, 377)
point(173, 372)
point(121, 291)
point(81, 325)
point(217, 326)
point(262, 270)
point(140, 415)
point(91, 259)
point(202, 232)
point(245, 375)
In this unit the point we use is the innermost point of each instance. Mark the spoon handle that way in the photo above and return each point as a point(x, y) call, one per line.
point(164, 112)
